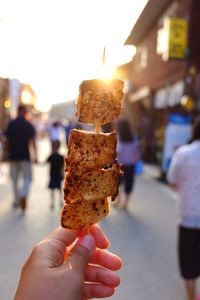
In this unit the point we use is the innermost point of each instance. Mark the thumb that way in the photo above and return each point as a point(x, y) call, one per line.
point(81, 253)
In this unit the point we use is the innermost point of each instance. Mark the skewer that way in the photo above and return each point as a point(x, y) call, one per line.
point(98, 128)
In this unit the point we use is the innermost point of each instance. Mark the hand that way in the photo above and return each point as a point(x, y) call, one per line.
point(67, 266)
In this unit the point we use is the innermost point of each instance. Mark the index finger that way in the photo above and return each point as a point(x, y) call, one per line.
point(106, 259)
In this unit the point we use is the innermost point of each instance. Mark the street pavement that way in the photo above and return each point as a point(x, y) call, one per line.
point(144, 237)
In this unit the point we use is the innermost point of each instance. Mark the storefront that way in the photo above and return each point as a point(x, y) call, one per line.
point(167, 81)
point(150, 115)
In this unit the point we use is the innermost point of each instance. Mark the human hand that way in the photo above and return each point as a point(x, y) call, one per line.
point(67, 266)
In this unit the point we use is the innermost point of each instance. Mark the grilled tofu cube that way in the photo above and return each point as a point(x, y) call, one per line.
point(90, 150)
point(83, 213)
point(99, 102)
point(93, 184)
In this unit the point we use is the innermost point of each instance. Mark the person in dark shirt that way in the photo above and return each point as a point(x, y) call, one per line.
point(21, 149)
point(56, 162)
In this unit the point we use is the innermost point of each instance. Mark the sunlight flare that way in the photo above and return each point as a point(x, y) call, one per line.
point(56, 53)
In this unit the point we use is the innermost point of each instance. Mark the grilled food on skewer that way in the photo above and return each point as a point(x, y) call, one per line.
point(83, 213)
point(92, 172)
point(89, 150)
point(93, 184)
point(99, 102)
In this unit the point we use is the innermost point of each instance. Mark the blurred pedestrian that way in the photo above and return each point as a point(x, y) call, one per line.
point(71, 125)
point(21, 148)
point(184, 174)
point(55, 132)
point(56, 162)
point(67, 266)
point(128, 154)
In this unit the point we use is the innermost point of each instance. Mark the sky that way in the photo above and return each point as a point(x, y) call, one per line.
point(55, 44)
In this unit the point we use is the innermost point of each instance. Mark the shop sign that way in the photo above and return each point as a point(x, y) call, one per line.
point(172, 39)
point(178, 30)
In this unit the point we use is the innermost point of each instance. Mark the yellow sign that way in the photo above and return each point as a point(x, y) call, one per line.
point(178, 34)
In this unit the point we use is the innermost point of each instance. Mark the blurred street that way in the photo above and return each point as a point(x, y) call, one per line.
point(134, 80)
point(144, 237)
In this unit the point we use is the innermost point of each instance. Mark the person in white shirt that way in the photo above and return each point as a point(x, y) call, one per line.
point(56, 133)
point(184, 174)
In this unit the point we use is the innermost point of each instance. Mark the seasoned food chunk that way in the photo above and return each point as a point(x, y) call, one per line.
point(90, 150)
point(83, 213)
point(99, 102)
point(94, 184)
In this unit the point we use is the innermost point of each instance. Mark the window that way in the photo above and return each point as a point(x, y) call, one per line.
point(142, 57)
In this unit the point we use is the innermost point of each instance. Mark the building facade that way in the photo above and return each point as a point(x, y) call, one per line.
point(164, 74)
point(4, 92)
point(13, 93)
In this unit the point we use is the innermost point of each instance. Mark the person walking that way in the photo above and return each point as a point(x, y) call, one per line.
point(184, 175)
point(56, 162)
point(21, 149)
point(56, 132)
point(128, 154)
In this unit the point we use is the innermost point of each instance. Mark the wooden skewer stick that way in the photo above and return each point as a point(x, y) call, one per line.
point(98, 128)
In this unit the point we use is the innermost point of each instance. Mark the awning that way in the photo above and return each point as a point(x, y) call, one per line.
point(176, 93)
point(150, 14)
point(169, 96)
point(161, 98)
point(140, 94)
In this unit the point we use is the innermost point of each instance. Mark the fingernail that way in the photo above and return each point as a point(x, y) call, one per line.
point(87, 241)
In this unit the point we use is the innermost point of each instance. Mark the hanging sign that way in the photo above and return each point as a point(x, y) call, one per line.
point(177, 37)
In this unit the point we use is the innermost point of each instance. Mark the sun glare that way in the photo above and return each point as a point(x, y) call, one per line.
point(56, 53)
point(106, 73)
point(114, 57)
